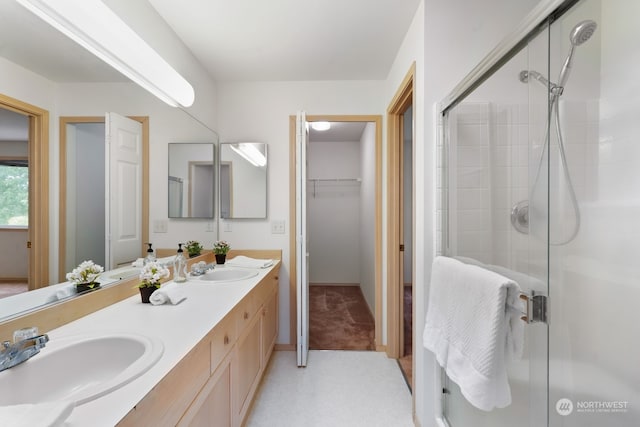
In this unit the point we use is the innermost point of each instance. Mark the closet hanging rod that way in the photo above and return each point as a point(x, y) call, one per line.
point(334, 180)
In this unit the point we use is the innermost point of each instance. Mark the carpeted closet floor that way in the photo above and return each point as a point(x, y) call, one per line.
point(8, 289)
point(339, 319)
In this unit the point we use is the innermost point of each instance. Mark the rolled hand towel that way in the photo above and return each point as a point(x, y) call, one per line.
point(138, 263)
point(243, 261)
point(171, 293)
point(47, 414)
point(65, 291)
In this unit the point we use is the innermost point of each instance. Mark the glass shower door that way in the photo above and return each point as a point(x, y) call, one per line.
point(497, 216)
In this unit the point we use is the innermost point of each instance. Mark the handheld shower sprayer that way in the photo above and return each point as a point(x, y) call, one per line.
point(579, 35)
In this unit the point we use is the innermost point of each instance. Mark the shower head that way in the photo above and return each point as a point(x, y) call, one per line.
point(580, 34)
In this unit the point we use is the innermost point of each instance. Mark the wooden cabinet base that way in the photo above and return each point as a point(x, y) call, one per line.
point(214, 385)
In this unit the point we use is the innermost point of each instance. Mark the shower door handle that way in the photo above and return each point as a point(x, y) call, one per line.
point(535, 308)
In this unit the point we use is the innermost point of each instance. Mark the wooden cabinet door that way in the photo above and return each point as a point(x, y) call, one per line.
point(269, 325)
point(215, 409)
point(246, 367)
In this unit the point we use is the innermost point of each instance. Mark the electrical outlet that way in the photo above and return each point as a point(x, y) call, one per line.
point(278, 227)
point(210, 228)
point(227, 226)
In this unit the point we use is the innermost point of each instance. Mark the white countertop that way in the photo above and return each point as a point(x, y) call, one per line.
point(179, 327)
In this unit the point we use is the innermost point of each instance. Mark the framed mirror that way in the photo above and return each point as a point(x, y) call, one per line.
point(243, 180)
point(191, 180)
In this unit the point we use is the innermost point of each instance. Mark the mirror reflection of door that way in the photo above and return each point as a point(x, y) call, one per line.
point(226, 195)
point(83, 208)
point(84, 193)
point(191, 180)
point(14, 202)
point(201, 177)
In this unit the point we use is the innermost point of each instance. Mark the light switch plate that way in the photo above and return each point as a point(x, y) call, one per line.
point(160, 226)
point(278, 227)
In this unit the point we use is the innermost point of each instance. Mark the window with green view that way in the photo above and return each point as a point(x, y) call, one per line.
point(14, 193)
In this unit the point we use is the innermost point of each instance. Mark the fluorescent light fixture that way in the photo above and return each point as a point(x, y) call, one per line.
point(250, 153)
point(98, 29)
point(321, 126)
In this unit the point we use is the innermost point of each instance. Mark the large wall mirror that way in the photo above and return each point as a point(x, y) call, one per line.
point(191, 180)
point(243, 180)
point(73, 89)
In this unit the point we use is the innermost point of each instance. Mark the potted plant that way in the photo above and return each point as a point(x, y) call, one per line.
point(194, 248)
point(84, 276)
point(220, 249)
point(150, 277)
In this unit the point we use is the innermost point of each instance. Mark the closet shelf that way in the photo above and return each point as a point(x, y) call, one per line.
point(346, 182)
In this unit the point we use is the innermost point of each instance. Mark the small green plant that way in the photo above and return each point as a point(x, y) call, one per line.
point(151, 275)
point(85, 273)
point(221, 247)
point(193, 247)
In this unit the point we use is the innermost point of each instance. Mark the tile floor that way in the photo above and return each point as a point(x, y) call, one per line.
point(337, 388)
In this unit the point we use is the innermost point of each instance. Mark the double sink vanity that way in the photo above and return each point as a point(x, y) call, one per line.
point(197, 363)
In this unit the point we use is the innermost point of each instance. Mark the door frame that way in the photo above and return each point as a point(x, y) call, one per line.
point(62, 223)
point(377, 119)
point(402, 100)
point(38, 240)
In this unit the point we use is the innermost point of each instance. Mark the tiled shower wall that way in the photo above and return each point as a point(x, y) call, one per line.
point(488, 158)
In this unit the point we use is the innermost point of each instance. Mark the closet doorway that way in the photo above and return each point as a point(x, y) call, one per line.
point(400, 242)
point(343, 193)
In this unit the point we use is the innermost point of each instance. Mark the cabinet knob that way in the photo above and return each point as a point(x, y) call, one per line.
point(226, 339)
point(246, 315)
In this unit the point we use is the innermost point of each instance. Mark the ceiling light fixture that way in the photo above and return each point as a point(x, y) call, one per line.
point(250, 153)
point(98, 29)
point(321, 126)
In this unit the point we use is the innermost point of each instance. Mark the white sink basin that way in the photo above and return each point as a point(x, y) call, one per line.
point(79, 368)
point(224, 274)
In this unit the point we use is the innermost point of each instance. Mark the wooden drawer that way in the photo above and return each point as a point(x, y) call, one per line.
point(223, 338)
point(245, 311)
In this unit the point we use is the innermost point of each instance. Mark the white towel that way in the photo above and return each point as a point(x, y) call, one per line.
point(47, 414)
point(65, 291)
point(243, 261)
point(469, 326)
point(171, 293)
point(138, 263)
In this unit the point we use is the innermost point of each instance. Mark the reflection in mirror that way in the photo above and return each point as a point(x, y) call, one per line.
point(191, 180)
point(243, 180)
point(79, 85)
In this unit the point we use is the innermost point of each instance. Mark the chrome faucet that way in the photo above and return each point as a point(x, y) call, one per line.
point(16, 353)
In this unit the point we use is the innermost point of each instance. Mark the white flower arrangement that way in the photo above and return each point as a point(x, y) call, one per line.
point(221, 247)
point(151, 275)
point(86, 272)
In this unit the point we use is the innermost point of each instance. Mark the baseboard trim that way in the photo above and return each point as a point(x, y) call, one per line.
point(284, 347)
point(382, 348)
point(334, 284)
point(13, 280)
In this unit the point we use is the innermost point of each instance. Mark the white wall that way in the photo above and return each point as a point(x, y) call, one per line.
point(367, 215)
point(259, 111)
point(333, 212)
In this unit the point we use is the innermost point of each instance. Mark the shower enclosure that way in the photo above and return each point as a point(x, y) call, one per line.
point(540, 181)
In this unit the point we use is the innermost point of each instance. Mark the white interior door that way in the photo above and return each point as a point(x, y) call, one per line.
point(123, 190)
point(302, 251)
